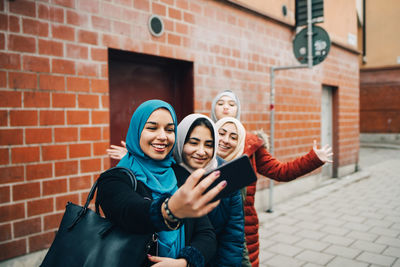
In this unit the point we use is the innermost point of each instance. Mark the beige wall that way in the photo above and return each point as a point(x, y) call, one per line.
point(343, 31)
point(382, 33)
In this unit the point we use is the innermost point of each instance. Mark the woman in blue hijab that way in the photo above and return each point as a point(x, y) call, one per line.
point(186, 237)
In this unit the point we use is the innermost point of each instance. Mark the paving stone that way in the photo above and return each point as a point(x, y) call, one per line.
point(368, 246)
point(285, 238)
point(314, 257)
point(362, 236)
point(312, 244)
point(385, 231)
point(342, 251)
point(357, 226)
point(392, 251)
point(284, 249)
point(338, 240)
point(376, 258)
point(335, 230)
point(283, 261)
point(315, 235)
point(390, 241)
point(342, 262)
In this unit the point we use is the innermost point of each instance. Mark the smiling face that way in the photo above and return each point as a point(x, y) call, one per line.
point(228, 139)
point(158, 136)
point(225, 107)
point(199, 148)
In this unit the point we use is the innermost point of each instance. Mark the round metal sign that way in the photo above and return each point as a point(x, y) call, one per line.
point(321, 45)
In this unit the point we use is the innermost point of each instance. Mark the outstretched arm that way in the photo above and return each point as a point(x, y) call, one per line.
point(324, 154)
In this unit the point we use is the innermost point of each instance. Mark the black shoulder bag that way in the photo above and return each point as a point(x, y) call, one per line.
point(84, 238)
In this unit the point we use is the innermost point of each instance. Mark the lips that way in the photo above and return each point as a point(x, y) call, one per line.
point(159, 147)
point(224, 147)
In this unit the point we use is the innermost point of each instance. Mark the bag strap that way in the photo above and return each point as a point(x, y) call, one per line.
point(92, 191)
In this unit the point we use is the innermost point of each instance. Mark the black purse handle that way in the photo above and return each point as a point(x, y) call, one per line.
point(94, 188)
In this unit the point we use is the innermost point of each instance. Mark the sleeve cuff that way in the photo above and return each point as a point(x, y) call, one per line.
point(192, 255)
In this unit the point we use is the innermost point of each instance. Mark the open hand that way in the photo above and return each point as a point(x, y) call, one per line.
point(324, 153)
point(117, 152)
point(189, 201)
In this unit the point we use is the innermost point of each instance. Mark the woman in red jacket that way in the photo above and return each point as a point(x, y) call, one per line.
point(226, 104)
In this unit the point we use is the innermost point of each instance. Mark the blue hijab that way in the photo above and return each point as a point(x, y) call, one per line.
point(155, 174)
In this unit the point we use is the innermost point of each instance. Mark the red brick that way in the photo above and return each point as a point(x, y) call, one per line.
point(99, 86)
point(101, 24)
point(87, 69)
point(38, 135)
point(5, 196)
point(77, 19)
point(64, 100)
point(66, 168)
point(3, 78)
point(99, 54)
point(54, 187)
point(14, 24)
point(23, 117)
point(11, 174)
point(79, 150)
point(63, 66)
point(12, 249)
point(174, 13)
point(40, 206)
point(3, 120)
point(88, 101)
point(26, 191)
point(188, 17)
point(10, 99)
point(105, 101)
point(27, 227)
point(63, 32)
point(12, 212)
point(54, 152)
point(51, 13)
point(2, 41)
point(90, 134)
point(62, 201)
point(106, 164)
point(159, 9)
point(90, 6)
point(104, 71)
point(36, 64)
point(68, 134)
point(51, 82)
point(78, 84)
point(52, 221)
point(21, 43)
point(88, 37)
point(142, 5)
point(106, 133)
point(35, 27)
point(5, 231)
point(90, 165)
point(100, 117)
point(10, 61)
point(4, 158)
point(39, 171)
point(77, 117)
point(42, 241)
point(65, 3)
point(100, 148)
point(36, 99)
point(3, 21)
point(51, 48)
point(24, 7)
point(122, 28)
point(77, 51)
point(80, 183)
point(18, 80)
point(110, 40)
point(51, 117)
point(174, 39)
point(25, 154)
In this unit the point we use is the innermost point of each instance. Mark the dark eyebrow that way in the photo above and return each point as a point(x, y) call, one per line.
point(155, 123)
point(223, 129)
point(195, 139)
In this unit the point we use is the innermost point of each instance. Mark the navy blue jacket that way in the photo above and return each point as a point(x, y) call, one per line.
point(228, 221)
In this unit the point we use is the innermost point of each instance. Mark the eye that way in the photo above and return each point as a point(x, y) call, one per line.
point(170, 130)
point(151, 128)
point(221, 133)
point(210, 145)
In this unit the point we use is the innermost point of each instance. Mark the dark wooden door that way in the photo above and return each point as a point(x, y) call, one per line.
point(135, 78)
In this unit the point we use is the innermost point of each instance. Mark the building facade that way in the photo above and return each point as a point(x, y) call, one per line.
point(72, 72)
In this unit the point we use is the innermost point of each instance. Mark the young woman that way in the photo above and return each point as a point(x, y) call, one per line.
point(227, 105)
point(161, 206)
point(196, 147)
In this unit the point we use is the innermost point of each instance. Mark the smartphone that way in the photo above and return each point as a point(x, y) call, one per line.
point(238, 173)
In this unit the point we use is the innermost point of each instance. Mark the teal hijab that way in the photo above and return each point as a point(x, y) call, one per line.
point(155, 174)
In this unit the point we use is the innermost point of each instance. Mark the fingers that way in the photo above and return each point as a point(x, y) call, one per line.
point(154, 258)
point(210, 195)
point(315, 144)
point(194, 178)
point(123, 143)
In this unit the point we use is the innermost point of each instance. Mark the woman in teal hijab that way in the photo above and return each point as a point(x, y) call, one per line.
point(161, 207)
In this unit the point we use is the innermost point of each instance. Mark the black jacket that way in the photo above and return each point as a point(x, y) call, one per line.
point(136, 212)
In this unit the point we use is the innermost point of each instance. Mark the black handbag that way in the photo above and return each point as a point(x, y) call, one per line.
point(84, 238)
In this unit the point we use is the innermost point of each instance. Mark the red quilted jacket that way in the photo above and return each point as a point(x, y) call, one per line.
point(264, 164)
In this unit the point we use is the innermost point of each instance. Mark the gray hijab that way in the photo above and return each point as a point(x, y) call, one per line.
point(230, 94)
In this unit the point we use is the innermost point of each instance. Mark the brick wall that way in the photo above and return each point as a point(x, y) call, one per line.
point(380, 100)
point(54, 116)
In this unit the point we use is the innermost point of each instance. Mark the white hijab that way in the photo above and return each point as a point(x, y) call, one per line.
point(238, 151)
point(230, 94)
point(183, 129)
